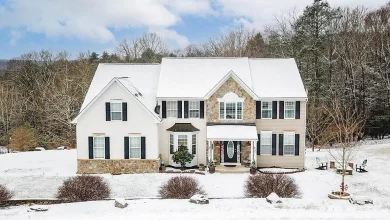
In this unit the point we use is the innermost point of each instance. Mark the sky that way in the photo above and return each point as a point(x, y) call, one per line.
point(99, 25)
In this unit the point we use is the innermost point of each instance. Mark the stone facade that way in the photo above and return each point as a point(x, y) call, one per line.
point(85, 166)
point(245, 152)
point(249, 105)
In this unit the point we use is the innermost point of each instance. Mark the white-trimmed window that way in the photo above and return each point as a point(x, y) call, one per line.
point(99, 147)
point(172, 109)
point(182, 141)
point(266, 142)
point(288, 143)
point(135, 146)
point(230, 110)
point(289, 110)
point(116, 111)
point(194, 109)
point(266, 110)
point(194, 144)
point(171, 144)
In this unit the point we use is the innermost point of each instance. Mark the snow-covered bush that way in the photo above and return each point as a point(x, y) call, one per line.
point(5, 194)
point(261, 185)
point(180, 187)
point(84, 188)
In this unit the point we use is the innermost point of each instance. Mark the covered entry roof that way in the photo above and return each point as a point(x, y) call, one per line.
point(232, 132)
point(182, 127)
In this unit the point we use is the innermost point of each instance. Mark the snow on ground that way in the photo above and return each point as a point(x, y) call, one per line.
point(38, 174)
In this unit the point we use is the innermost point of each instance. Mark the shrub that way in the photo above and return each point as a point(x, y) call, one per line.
point(180, 187)
point(23, 138)
point(84, 188)
point(182, 156)
point(261, 185)
point(5, 194)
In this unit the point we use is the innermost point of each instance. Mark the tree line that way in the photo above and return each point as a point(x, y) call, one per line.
point(341, 53)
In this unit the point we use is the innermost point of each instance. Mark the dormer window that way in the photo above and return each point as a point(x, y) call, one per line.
point(230, 107)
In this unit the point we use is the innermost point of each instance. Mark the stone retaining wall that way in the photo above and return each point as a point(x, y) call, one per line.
point(121, 166)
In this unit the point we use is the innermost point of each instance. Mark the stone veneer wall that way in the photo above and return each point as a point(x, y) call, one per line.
point(217, 154)
point(245, 151)
point(249, 107)
point(122, 166)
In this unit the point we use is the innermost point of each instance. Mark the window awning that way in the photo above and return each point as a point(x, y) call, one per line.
point(231, 132)
point(182, 127)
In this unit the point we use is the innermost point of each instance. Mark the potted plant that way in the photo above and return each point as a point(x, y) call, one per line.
point(253, 168)
point(202, 167)
point(182, 156)
point(162, 166)
point(211, 167)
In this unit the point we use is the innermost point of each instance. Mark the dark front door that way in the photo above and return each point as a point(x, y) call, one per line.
point(230, 151)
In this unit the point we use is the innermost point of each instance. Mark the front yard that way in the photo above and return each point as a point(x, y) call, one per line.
point(33, 175)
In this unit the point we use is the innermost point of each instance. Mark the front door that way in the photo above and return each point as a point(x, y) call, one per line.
point(230, 151)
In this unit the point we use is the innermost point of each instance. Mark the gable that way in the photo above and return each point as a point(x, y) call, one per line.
point(118, 89)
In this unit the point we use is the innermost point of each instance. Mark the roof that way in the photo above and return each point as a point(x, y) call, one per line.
point(232, 132)
point(182, 127)
point(196, 77)
point(276, 78)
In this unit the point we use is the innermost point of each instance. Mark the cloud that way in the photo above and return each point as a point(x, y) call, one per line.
point(15, 36)
point(171, 35)
point(96, 20)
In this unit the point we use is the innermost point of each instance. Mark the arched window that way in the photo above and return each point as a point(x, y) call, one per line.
point(230, 107)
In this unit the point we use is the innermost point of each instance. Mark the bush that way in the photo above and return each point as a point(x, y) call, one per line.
point(84, 188)
point(180, 187)
point(261, 185)
point(5, 194)
point(23, 138)
point(182, 156)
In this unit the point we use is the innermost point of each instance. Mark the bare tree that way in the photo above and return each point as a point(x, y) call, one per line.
point(342, 134)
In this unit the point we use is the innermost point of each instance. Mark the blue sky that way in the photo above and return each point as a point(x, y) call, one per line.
point(99, 25)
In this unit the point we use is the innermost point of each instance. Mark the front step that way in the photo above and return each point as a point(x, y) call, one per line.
point(236, 169)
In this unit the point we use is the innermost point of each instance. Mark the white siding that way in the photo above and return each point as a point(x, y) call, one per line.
point(139, 120)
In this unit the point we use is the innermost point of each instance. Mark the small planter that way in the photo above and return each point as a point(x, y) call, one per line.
point(211, 169)
point(339, 195)
point(202, 167)
point(163, 168)
point(252, 171)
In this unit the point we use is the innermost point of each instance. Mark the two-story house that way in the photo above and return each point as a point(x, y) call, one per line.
point(228, 110)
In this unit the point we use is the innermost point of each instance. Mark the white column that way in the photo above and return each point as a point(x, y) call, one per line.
point(212, 150)
point(255, 151)
point(251, 152)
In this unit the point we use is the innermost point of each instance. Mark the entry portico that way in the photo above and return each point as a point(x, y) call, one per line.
point(231, 142)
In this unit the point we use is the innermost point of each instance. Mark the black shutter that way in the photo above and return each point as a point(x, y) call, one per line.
point(281, 144)
point(281, 109)
point(296, 144)
point(108, 111)
point(164, 109)
point(273, 144)
point(274, 110)
point(107, 147)
point(201, 109)
point(179, 109)
point(297, 109)
point(258, 144)
point(258, 109)
point(186, 109)
point(124, 111)
point(90, 147)
point(143, 148)
point(126, 148)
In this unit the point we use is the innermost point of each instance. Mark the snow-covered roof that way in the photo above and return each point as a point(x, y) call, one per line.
point(276, 78)
point(196, 77)
point(232, 132)
point(143, 76)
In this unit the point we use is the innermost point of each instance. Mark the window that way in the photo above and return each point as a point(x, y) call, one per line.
point(135, 147)
point(265, 142)
point(230, 110)
point(172, 109)
point(266, 110)
point(221, 110)
point(194, 107)
point(182, 141)
point(116, 111)
point(98, 148)
point(194, 144)
point(289, 143)
point(171, 141)
point(289, 110)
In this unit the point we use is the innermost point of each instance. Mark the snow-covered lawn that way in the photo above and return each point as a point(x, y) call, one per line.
point(39, 174)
